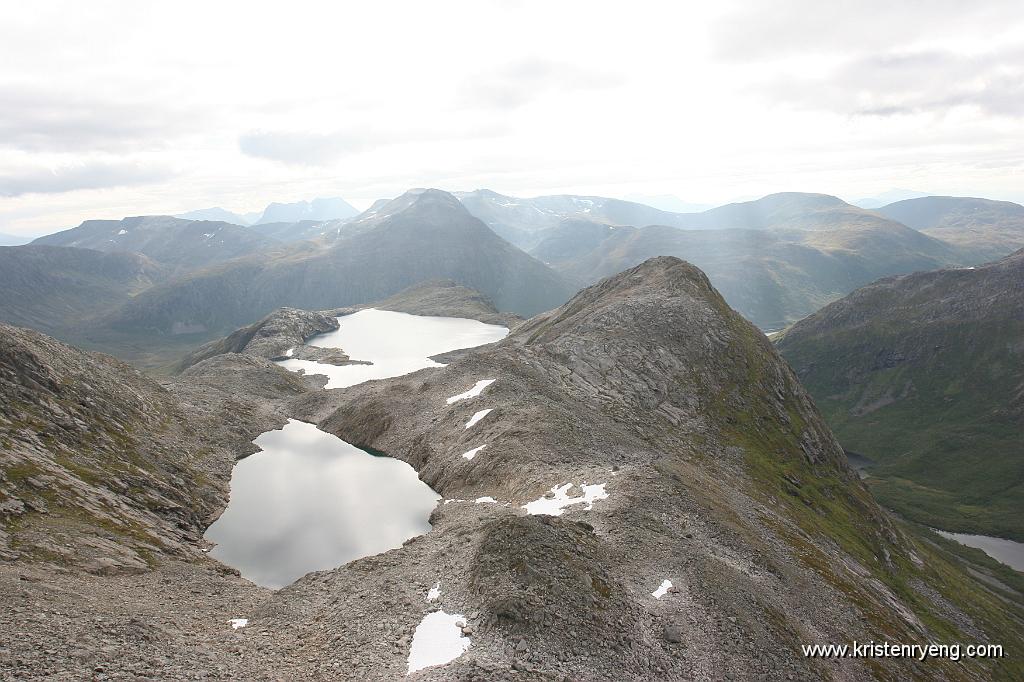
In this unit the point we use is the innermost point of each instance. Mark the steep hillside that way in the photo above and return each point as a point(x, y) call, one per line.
point(103, 468)
point(571, 239)
point(301, 230)
point(925, 375)
point(181, 245)
point(55, 288)
point(983, 228)
point(422, 236)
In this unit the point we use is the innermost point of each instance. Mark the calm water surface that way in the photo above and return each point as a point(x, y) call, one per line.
point(1007, 551)
point(396, 344)
point(308, 500)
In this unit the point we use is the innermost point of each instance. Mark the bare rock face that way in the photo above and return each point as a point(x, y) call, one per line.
point(269, 338)
point(105, 468)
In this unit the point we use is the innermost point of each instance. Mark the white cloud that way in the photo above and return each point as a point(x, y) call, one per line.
point(302, 148)
point(251, 102)
point(84, 176)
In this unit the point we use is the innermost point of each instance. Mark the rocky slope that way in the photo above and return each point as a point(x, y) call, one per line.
point(107, 482)
point(104, 468)
point(925, 375)
point(269, 338)
point(717, 472)
point(721, 477)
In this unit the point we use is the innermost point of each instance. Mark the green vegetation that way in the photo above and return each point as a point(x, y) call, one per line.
point(924, 375)
point(910, 561)
point(948, 446)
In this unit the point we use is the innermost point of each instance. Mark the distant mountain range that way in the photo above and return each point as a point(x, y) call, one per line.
point(319, 210)
point(982, 228)
point(182, 245)
point(523, 221)
point(668, 202)
point(888, 197)
point(775, 260)
point(222, 215)
point(13, 239)
point(420, 236)
point(924, 374)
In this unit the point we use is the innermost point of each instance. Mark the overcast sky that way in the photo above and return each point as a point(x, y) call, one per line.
point(110, 109)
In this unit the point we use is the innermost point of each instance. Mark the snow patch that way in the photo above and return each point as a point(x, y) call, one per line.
point(555, 502)
point(437, 640)
point(482, 500)
point(238, 623)
point(472, 453)
point(478, 387)
point(434, 592)
point(477, 417)
point(662, 590)
point(290, 352)
point(122, 232)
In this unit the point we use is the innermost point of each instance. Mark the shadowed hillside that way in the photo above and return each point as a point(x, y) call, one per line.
point(925, 375)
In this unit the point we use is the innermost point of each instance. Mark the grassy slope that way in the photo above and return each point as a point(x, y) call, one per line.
point(909, 560)
point(949, 451)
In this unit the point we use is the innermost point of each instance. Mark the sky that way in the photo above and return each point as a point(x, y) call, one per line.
point(110, 109)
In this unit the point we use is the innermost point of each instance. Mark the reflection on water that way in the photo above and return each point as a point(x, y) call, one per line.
point(310, 501)
point(396, 344)
point(1007, 551)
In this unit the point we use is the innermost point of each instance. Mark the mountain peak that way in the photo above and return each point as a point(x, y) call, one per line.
point(625, 303)
point(436, 196)
point(417, 200)
point(321, 208)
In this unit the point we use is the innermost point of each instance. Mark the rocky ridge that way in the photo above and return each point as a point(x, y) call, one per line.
point(718, 472)
point(720, 476)
point(270, 338)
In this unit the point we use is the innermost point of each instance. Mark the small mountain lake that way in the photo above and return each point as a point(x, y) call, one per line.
point(309, 501)
point(1006, 551)
point(396, 344)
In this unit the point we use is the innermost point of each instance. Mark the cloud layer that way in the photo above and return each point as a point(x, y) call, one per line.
point(86, 176)
point(131, 108)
